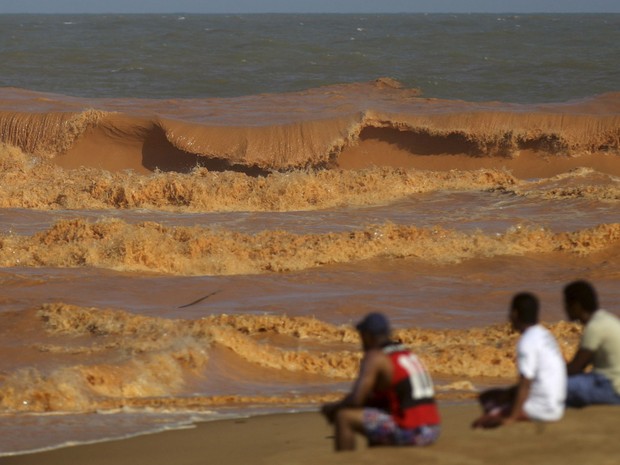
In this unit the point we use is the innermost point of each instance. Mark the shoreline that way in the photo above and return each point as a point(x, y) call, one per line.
point(305, 438)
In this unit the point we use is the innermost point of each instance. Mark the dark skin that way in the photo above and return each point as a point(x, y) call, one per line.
point(516, 395)
point(376, 373)
point(583, 358)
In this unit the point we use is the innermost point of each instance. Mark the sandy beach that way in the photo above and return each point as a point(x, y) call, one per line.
point(583, 436)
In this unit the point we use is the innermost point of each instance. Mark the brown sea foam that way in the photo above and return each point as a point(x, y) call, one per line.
point(148, 361)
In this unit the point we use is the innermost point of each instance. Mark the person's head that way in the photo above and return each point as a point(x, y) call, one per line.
point(374, 330)
point(523, 311)
point(580, 301)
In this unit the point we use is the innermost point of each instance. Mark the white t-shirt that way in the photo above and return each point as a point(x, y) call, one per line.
point(539, 359)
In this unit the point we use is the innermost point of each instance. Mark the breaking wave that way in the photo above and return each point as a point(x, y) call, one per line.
point(150, 246)
point(332, 126)
point(154, 358)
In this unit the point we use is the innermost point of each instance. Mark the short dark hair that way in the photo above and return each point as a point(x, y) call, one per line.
point(583, 293)
point(525, 306)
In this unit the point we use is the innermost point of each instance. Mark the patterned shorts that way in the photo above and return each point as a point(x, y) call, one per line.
point(381, 429)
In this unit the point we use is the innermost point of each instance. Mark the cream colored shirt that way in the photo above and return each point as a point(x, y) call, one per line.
point(601, 335)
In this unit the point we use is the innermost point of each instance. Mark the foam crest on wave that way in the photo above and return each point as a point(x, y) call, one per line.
point(46, 133)
point(582, 183)
point(307, 129)
point(150, 359)
point(150, 246)
point(29, 183)
point(231, 332)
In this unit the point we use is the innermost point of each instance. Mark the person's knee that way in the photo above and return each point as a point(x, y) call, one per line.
point(350, 419)
point(487, 397)
point(573, 397)
point(579, 391)
point(343, 417)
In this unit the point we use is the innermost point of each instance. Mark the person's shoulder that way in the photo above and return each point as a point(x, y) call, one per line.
point(543, 331)
point(534, 332)
point(394, 347)
point(373, 355)
point(534, 336)
point(603, 319)
point(607, 314)
point(608, 319)
point(376, 360)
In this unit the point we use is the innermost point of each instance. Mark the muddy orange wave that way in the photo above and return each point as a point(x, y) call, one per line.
point(149, 360)
point(325, 127)
point(150, 246)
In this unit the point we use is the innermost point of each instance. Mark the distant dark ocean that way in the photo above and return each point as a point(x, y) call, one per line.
point(511, 58)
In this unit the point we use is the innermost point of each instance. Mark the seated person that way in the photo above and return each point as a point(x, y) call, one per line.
point(392, 401)
point(541, 389)
point(599, 347)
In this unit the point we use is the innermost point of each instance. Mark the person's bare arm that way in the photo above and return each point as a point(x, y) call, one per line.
point(580, 361)
point(523, 391)
point(370, 371)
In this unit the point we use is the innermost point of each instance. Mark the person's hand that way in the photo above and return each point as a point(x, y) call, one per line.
point(487, 421)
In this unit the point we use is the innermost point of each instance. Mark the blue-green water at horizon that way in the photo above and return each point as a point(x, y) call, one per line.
point(476, 57)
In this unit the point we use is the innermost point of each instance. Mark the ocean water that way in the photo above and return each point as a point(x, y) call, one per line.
point(195, 209)
point(524, 58)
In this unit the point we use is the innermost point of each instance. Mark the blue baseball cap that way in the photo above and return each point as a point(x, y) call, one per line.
point(374, 323)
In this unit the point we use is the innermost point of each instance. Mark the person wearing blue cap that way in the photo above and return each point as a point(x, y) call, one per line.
point(392, 400)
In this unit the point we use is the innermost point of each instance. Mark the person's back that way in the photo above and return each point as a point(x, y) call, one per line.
point(602, 336)
point(599, 347)
point(539, 358)
point(410, 394)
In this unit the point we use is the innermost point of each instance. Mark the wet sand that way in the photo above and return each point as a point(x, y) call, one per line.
point(583, 436)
